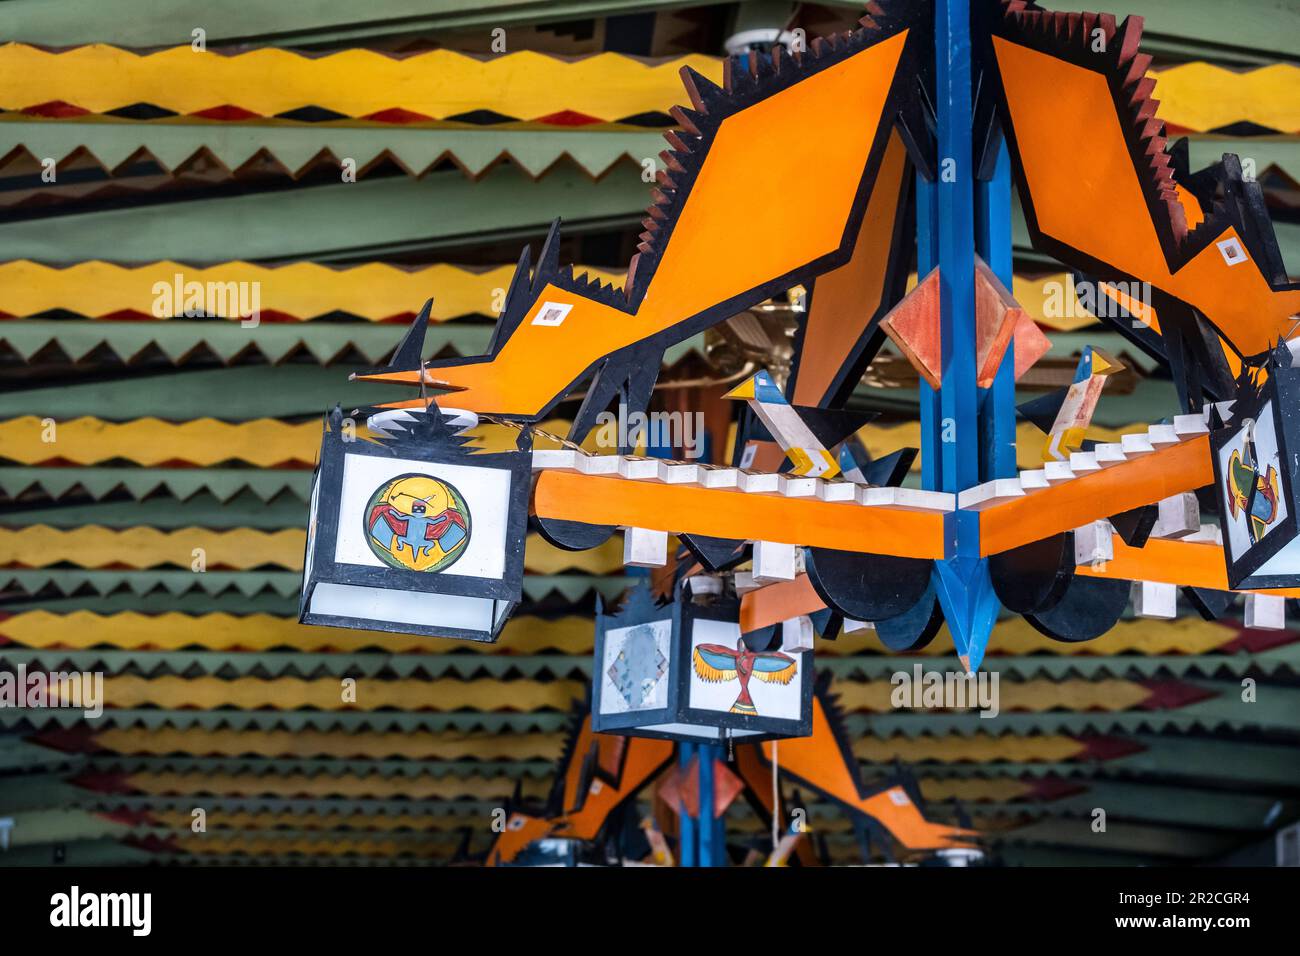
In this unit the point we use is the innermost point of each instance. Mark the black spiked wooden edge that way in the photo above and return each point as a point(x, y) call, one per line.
point(1067, 36)
point(835, 721)
point(748, 79)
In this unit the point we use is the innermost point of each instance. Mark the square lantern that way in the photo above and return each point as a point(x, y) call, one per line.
point(684, 671)
point(1255, 478)
point(415, 533)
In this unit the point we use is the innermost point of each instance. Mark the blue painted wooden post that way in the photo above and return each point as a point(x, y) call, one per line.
point(962, 579)
point(685, 822)
point(998, 405)
point(927, 256)
point(707, 829)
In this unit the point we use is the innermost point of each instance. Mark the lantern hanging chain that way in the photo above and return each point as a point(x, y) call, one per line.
point(776, 798)
point(542, 433)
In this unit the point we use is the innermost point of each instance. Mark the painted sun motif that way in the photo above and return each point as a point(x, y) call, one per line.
point(417, 523)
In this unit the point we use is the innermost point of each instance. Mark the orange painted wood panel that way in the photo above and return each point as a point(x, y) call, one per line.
point(724, 513)
point(778, 602)
point(1185, 563)
point(1071, 504)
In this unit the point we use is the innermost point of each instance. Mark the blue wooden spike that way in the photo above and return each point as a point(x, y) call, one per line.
point(952, 427)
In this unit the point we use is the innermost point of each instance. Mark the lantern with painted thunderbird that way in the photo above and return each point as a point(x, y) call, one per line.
point(684, 671)
point(415, 532)
point(1256, 464)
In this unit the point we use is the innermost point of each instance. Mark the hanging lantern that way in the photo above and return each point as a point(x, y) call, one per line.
point(414, 532)
point(684, 671)
point(1255, 472)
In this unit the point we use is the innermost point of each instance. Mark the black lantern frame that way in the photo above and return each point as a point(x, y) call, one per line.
point(676, 718)
point(1254, 473)
point(361, 595)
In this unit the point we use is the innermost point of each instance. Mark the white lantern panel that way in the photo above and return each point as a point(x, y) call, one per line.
point(1242, 531)
point(424, 608)
point(418, 498)
point(698, 730)
point(635, 668)
point(727, 677)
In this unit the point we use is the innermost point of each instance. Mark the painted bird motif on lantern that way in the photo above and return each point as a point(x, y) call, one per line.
point(717, 664)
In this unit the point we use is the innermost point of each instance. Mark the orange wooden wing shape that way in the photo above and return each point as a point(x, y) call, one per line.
point(1096, 182)
point(736, 219)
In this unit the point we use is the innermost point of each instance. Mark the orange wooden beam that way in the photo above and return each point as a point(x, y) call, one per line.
point(1091, 497)
point(778, 602)
point(725, 513)
point(1185, 563)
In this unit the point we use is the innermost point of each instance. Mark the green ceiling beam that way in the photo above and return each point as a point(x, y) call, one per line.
point(1150, 803)
point(19, 754)
point(324, 766)
point(101, 852)
point(340, 807)
point(228, 394)
point(34, 827)
point(1183, 28)
point(162, 603)
point(1175, 843)
point(545, 722)
point(273, 664)
point(1190, 758)
point(180, 342)
point(284, 584)
point(240, 393)
point(1068, 856)
point(295, 146)
point(223, 484)
point(244, 510)
point(1280, 714)
point(35, 791)
point(304, 23)
point(574, 588)
point(69, 580)
point(347, 221)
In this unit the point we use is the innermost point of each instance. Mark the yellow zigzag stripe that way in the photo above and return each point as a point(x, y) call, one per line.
point(291, 693)
point(131, 630)
point(302, 289)
point(266, 441)
point(372, 291)
point(218, 822)
point(526, 85)
point(356, 83)
point(152, 441)
point(1001, 790)
point(368, 745)
point(262, 632)
point(215, 843)
point(92, 546)
point(324, 785)
point(1202, 96)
